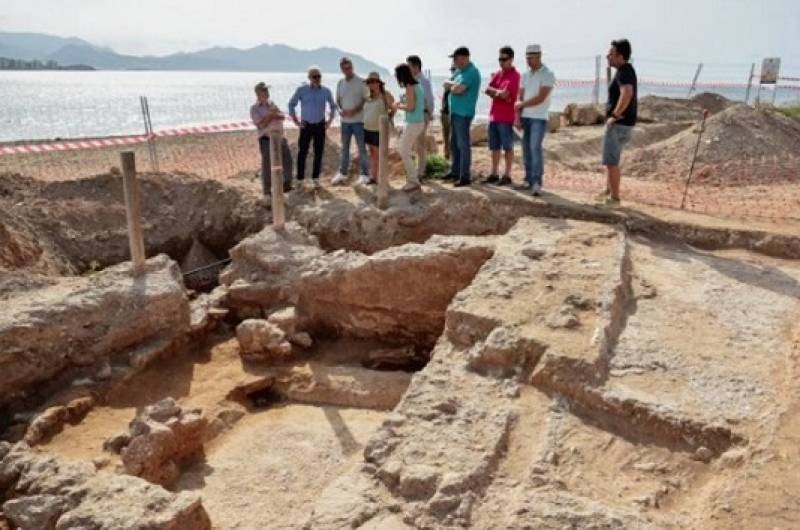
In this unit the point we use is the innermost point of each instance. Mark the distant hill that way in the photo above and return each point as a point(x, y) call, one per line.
point(263, 58)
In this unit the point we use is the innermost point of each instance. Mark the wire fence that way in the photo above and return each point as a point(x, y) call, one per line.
point(764, 186)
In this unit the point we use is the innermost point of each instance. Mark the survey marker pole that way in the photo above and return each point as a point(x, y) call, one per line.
point(383, 163)
point(275, 169)
point(133, 211)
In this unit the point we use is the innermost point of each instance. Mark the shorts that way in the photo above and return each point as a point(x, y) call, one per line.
point(501, 136)
point(614, 139)
point(372, 137)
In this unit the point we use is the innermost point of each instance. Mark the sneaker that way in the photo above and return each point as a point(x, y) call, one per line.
point(339, 179)
point(601, 197)
point(365, 180)
point(462, 183)
point(411, 186)
point(491, 179)
point(536, 189)
point(524, 186)
point(505, 180)
point(315, 184)
point(612, 201)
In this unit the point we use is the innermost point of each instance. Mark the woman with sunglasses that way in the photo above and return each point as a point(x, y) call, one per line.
point(413, 103)
point(379, 103)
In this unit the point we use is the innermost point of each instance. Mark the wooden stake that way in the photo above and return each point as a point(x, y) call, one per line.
point(596, 89)
point(383, 163)
point(750, 83)
point(694, 81)
point(276, 165)
point(133, 211)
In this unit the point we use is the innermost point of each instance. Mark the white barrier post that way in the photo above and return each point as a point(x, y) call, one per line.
point(596, 90)
point(275, 169)
point(694, 81)
point(383, 163)
point(133, 211)
point(749, 83)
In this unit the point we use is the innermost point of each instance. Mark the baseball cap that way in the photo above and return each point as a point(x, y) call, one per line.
point(533, 48)
point(461, 50)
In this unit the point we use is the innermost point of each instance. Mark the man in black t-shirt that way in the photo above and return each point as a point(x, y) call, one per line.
point(620, 116)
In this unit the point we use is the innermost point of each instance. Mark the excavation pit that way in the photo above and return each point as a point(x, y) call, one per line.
point(556, 365)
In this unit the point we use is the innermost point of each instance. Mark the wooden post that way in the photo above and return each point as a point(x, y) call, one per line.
point(596, 89)
point(694, 81)
point(133, 211)
point(383, 163)
point(276, 169)
point(750, 83)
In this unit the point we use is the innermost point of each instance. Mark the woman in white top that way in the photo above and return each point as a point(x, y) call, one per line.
point(379, 103)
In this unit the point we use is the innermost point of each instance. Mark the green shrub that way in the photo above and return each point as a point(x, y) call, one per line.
point(792, 112)
point(437, 166)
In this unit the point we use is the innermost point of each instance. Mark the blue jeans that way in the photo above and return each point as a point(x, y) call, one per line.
point(533, 131)
point(348, 131)
point(460, 147)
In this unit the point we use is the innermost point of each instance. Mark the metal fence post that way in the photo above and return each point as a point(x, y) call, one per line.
point(694, 81)
point(596, 90)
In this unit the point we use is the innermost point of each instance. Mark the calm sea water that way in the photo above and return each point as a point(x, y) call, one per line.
point(47, 105)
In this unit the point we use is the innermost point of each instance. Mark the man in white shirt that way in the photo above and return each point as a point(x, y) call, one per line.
point(415, 63)
point(351, 94)
point(534, 109)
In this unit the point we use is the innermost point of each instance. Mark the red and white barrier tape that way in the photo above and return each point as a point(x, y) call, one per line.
point(47, 147)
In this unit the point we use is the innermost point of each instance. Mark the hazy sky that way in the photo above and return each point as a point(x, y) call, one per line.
point(727, 33)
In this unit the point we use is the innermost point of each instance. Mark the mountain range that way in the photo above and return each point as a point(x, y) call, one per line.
point(262, 58)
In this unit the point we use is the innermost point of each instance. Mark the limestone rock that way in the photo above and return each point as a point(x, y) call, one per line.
point(479, 134)
point(286, 319)
point(302, 339)
point(554, 122)
point(48, 492)
point(261, 340)
point(161, 439)
point(78, 323)
point(580, 114)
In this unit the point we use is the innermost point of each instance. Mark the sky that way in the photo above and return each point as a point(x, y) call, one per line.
point(668, 35)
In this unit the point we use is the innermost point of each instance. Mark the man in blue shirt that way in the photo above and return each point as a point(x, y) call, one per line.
point(312, 97)
point(464, 88)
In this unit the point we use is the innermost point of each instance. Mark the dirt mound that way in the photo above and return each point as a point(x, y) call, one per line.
point(739, 144)
point(73, 226)
point(661, 109)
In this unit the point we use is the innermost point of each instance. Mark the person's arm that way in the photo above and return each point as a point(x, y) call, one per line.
point(293, 106)
point(389, 99)
point(411, 100)
point(544, 91)
point(625, 98)
point(332, 106)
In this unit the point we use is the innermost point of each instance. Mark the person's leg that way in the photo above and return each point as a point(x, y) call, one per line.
point(422, 151)
point(408, 141)
point(266, 183)
point(613, 182)
point(302, 150)
point(446, 134)
point(344, 160)
point(463, 155)
point(319, 148)
point(509, 162)
point(466, 155)
point(494, 148)
point(538, 130)
point(363, 158)
point(287, 163)
point(526, 149)
point(455, 152)
point(373, 161)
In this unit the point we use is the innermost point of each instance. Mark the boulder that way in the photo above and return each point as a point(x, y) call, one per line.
point(48, 492)
point(160, 440)
point(261, 340)
point(479, 134)
point(554, 122)
point(579, 114)
point(77, 324)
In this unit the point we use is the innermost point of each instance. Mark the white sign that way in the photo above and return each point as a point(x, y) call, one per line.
point(770, 69)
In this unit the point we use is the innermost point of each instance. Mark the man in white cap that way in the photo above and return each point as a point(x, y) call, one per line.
point(534, 109)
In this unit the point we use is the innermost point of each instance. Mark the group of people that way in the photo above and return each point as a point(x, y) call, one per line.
point(519, 102)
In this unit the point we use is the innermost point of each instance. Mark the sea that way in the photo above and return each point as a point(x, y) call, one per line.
point(44, 105)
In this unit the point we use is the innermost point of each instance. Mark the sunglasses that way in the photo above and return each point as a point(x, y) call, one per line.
point(372, 81)
point(503, 59)
point(316, 76)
